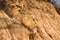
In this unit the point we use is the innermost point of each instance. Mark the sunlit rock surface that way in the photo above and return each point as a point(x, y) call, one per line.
point(28, 20)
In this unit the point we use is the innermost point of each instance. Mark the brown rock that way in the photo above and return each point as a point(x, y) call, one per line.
point(29, 20)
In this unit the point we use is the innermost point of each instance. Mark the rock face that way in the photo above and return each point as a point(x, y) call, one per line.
point(28, 20)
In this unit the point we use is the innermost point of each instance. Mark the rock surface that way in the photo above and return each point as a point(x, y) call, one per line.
point(28, 20)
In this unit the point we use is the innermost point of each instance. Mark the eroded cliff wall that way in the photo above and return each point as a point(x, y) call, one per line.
point(28, 20)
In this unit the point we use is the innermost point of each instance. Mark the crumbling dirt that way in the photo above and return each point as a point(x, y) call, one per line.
point(28, 20)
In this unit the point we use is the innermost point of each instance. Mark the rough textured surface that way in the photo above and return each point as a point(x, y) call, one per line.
point(28, 20)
